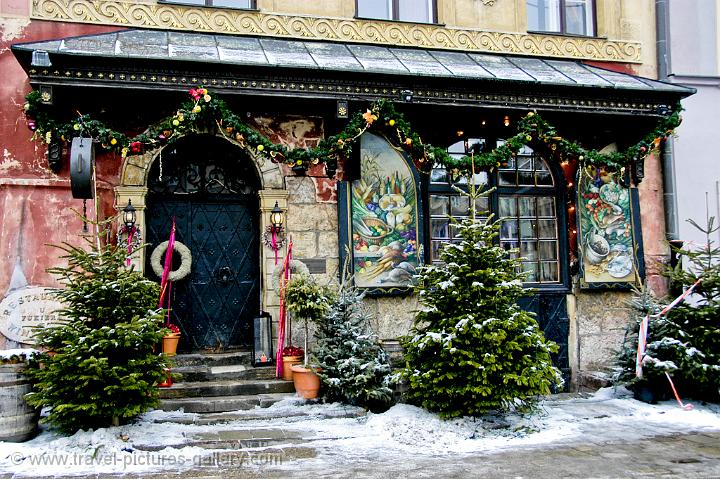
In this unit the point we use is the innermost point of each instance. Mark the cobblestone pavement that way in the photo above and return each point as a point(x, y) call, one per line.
point(583, 437)
point(688, 455)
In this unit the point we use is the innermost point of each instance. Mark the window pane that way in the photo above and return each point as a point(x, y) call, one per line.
point(548, 250)
point(531, 270)
point(546, 229)
point(438, 175)
point(549, 272)
point(543, 179)
point(528, 250)
point(526, 178)
point(459, 205)
point(579, 17)
point(232, 3)
point(527, 229)
point(457, 148)
point(546, 206)
point(439, 228)
point(482, 205)
point(509, 229)
point(374, 9)
point(439, 205)
point(415, 11)
point(507, 178)
point(436, 246)
point(543, 15)
point(527, 206)
point(508, 207)
point(525, 163)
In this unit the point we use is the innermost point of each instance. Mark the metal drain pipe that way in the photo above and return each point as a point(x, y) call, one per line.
point(662, 20)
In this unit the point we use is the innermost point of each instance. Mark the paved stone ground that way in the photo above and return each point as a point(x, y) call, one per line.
point(691, 455)
point(607, 439)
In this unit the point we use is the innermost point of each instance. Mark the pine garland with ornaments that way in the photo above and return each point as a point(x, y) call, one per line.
point(205, 111)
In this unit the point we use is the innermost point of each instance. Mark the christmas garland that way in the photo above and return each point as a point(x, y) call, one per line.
point(206, 112)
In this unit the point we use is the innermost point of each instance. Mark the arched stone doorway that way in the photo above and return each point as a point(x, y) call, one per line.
point(231, 209)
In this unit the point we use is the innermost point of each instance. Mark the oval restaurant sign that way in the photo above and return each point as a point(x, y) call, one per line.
point(26, 310)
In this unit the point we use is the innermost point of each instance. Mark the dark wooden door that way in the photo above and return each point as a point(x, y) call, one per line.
point(216, 211)
point(551, 314)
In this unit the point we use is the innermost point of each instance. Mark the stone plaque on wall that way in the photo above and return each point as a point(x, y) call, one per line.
point(24, 311)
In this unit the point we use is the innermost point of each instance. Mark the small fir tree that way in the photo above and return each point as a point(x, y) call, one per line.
point(685, 343)
point(102, 368)
point(472, 349)
point(353, 365)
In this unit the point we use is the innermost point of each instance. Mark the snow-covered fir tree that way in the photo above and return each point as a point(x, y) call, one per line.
point(685, 343)
point(102, 369)
point(472, 349)
point(354, 367)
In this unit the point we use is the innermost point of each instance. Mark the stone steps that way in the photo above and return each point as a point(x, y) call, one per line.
point(235, 387)
point(200, 373)
point(230, 358)
point(220, 404)
point(221, 382)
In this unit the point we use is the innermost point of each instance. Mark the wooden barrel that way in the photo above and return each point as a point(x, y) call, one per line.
point(18, 420)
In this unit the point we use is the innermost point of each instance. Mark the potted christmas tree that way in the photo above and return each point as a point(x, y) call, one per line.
point(104, 370)
point(309, 301)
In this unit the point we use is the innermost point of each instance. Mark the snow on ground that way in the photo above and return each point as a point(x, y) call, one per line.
point(607, 415)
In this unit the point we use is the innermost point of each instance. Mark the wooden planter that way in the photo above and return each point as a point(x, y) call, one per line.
point(307, 383)
point(170, 343)
point(288, 362)
point(18, 420)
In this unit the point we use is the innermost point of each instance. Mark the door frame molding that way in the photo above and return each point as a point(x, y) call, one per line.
point(133, 186)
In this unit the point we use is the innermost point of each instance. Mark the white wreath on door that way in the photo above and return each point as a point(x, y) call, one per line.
point(185, 260)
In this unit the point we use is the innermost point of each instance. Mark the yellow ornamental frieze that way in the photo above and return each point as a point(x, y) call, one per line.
point(226, 21)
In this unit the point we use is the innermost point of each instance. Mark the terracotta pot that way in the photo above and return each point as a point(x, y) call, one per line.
point(288, 362)
point(307, 383)
point(170, 343)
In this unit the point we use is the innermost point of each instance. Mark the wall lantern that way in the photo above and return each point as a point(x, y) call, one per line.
point(262, 352)
point(40, 58)
point(274, 236)
point(129, 216)
point(129, 230)
point(406, 96)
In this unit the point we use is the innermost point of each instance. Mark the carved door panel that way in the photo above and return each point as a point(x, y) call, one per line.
point(223, 290)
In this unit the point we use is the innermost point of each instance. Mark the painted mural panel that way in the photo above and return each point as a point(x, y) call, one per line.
point(384, 217)
point(606, 237)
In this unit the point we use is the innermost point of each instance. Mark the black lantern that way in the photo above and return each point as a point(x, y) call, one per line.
point(262, 352)
point(406, 96)
point(129, 216)
point(276, 218)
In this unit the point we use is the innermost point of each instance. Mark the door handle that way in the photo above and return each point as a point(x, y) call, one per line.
point(224, 275)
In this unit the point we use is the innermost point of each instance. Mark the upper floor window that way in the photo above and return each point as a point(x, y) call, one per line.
point(216, 3)
point(575, 17)
point(419, 11)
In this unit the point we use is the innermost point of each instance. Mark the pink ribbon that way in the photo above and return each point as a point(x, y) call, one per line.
point(165, 283)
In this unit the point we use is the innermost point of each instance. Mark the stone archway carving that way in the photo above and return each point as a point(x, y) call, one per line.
point(135, 168)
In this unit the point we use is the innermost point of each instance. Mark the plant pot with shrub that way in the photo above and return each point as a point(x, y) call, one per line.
point(309, 301)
